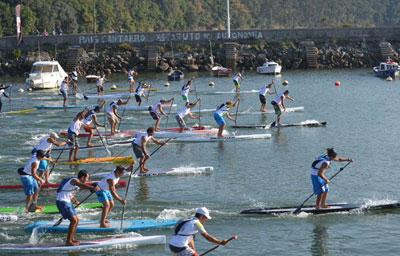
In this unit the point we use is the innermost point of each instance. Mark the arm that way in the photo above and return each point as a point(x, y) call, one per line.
point(114, 193)
point(55, 142)
point(143, 143)
point(158, 142)
point(96, 122)
point(81, 185)
point(230, 117)
point(161, 110)
point(5, 95)
point(321, 172)
point(193, 116)
point(213, 239)
point(34, 168)
point(343, 159)
point(289, 98)
point(116, 114)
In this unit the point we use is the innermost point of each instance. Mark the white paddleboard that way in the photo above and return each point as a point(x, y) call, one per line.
point(8, 218)
point(228, 92)
point(110, 96)
point(85, 245)
point(226, 138)
point(250, 112)
point(141, 108)
point(177, 171)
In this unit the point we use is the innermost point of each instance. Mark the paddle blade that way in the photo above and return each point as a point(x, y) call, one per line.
point(79, 96)
point(85, 97)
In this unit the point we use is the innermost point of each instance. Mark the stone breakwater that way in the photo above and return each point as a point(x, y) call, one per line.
point(188, 58)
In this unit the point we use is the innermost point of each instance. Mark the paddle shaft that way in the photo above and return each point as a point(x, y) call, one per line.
point(102, 141)
point(129, 182)
point(148, 94)
point(169, 112)
point(58, 157)
point(308, 198)
point(237, 109)
point(198, 100)
point(123, 112)
point(215, 247)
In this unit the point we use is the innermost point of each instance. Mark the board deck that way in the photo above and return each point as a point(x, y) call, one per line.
point(333, 208)
point(48, 209)
point(94, 225)
point(85, 244)
point(270, 126)
point(226, 138)
point(19, 112)
point(91, 160)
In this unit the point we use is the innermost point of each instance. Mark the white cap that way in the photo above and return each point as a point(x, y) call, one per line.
point(204, 211)
point(54, 135)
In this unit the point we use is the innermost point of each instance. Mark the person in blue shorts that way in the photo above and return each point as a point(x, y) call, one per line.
point(319, 180)
point(107, 191)
point(219, 113)
point(66, 196)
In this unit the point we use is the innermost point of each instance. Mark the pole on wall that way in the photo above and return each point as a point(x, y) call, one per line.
point(228, 20)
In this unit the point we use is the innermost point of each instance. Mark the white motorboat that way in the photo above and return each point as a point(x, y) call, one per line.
point(45, 75)
point(269, 68)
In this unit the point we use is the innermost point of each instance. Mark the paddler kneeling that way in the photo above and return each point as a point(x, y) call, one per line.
point(139, 144)
point(182, 242)
point(108, 191)
point(319, 180)
point(219, 115)
point(65, 196)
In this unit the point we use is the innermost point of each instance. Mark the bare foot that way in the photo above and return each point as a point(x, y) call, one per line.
point(90, 145)
point(145, 170)
point(325, 206)
point(72, 243)
point(105, 225)
point(106, 221)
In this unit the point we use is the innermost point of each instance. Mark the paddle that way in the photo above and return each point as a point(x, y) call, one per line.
point(273, 83)
point(237, 109)
point(198, 100)
point(123, 112)
point(148, 93)
point(58, 157)
point(129, 181)
point(169, 112)
point(215, 247)
point(298, 209)
point(102, 141)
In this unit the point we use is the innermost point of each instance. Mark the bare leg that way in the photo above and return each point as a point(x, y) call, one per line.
point(323, 200)
point(70, 155)
point(89, 144)
point(28, 202)
point(157, 128)
point(72, 231)
point(220, 131)
point(104, 214)
point(318, 202)
point(76, 153)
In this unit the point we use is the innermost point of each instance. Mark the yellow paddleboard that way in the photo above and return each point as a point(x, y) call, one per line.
point(20, 112)
point(115, 160)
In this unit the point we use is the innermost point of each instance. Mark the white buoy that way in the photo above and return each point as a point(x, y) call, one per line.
point(211, 83)
point(20, 90)
point(113, 87)
point(389, 78)
point(29, 89)
point(167, 84)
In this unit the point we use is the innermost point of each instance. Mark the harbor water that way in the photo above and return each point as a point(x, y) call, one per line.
point(362, 123)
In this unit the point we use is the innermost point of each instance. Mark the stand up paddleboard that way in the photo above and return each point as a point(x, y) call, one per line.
point(48, 209)
point(19, 112)
point(226, 138)
point(332, 209)
point(168, 171)
point(85, 245)
point(8, 218)
point(94, 226)
point(91, 160)
point(269, 111)
point(120, 134)
point(121, 183)
point(308, 123)
point(60, 107)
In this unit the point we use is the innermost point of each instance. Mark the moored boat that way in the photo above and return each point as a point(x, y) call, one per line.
point(45, 75)
point(269, 68)
point(387, 69)
point(221, 71)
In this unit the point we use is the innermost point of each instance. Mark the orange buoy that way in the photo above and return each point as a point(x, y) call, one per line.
point(337, 83)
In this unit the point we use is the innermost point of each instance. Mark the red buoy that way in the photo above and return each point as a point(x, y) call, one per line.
point(337, 83)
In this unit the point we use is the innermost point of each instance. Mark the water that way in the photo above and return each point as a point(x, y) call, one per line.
point(362, 124)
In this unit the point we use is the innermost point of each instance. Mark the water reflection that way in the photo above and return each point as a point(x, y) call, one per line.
point(142, 191)
point(320, 238)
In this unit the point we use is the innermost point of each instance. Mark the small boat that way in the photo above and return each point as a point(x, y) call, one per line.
point(175, 75)
point(94, 226)
point(308, 123)
point(221, 71)
point(8, 218)
point(387, 69)
point(269, 68)
point(333, 208)
point(91, 78)
point(226, 138)
point(119, 240)
point(48, 209)
point(45, 75)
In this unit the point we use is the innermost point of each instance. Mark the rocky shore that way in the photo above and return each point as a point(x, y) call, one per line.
point(187, 58)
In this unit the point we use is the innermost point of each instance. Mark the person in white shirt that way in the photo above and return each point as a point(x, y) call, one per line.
point(279, 104)
point(65, 196)
point(113, 117)
point(100, 84)
point(3, 93)
point(107, 192)
point(262, 96)
point(219, 113)
point(237, 78)
point(185, 111)
point(73, 132)
point(64, 90)
point(156, 110)
point(182, 242)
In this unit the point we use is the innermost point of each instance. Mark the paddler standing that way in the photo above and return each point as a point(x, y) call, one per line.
point(64, 90)
point(131, 79)
point(185, 91)
point(90, 123)
point(31, 181)
point(182, 242)
point(73, 132)
point(113, 117)
point(262, 96)
point(279, 104)
point(139, 146)
point(185, 111)
point(156, 111)
point(237, 78)
point(65, 196)
point(319, 180)
point(2, 93)
point(139, 92)
point(219, 113)
point(100, 84)
point(107, 192)
point(46, 144)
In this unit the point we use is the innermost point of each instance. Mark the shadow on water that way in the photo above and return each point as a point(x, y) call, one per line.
point(320, 236)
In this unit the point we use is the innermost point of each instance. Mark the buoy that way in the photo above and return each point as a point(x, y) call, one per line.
point(166, 84)
point(286, 82)
point(389, 78)
point(337, 83)
point(113, 87)
point(20, 90)
point(29, 89)
point(211, 83)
